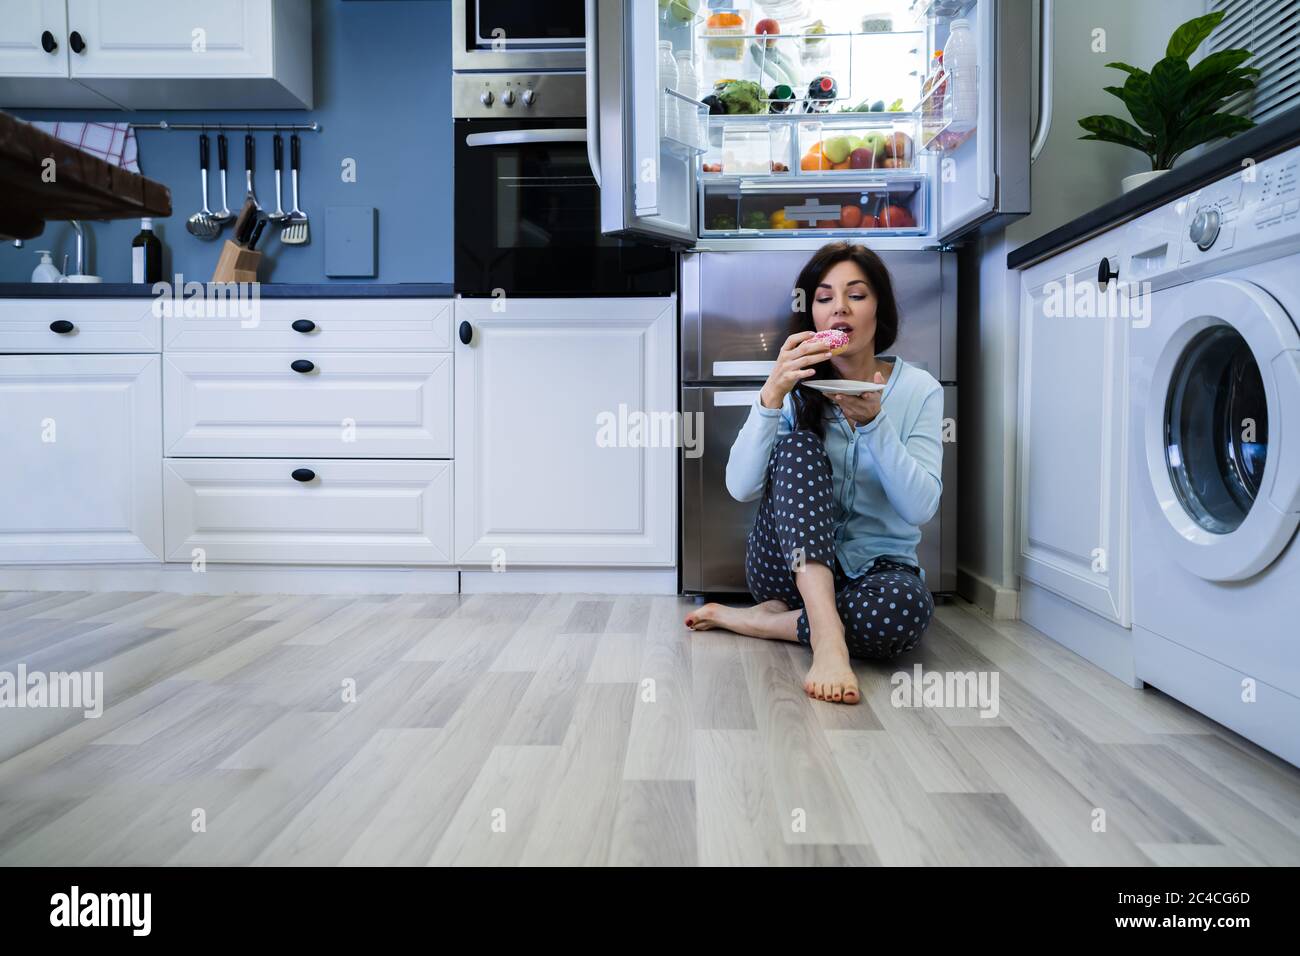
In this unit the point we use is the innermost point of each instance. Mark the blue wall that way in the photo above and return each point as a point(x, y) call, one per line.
point(383, 97)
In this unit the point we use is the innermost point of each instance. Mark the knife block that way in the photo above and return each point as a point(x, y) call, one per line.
point(236, 264)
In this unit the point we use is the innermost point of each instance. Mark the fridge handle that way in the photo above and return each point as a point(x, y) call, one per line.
point(593, 109)
point(1044, 126)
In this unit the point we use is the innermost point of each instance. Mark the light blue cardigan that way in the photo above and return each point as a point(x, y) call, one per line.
point(886, 474)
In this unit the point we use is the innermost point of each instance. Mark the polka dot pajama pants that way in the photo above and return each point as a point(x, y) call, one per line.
point(885, 611)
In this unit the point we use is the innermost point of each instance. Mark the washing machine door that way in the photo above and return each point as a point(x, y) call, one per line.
point(1222, 431)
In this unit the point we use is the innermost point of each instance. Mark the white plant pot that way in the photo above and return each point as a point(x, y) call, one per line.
point(1130, 183)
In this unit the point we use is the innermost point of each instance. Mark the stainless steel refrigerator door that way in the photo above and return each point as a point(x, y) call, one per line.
point(647, 188)
point(736, 310)
point(985, 181)
point(715, 526)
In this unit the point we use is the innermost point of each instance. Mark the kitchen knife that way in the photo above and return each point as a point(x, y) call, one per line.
point(244, 223)
point(257, 233)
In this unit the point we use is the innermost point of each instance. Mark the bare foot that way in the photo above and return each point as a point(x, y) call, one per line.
point(831, 678)
point(713, 615)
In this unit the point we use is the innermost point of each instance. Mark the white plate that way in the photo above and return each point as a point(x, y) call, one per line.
point(843, 386)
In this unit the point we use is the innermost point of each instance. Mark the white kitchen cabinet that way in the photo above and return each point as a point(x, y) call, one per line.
point(1072, 501)
point(255, 405)
point(141, 54)
point(308, 511)
point(83, 439)
point(79, 325)
point(537, 481)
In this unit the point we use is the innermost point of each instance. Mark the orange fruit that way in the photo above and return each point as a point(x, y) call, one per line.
point(843, 165)
point(811, 161)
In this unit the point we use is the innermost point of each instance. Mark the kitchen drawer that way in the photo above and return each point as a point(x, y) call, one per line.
point(254, 405)
point(351, 325)
point(98, 325)
point(351, 512)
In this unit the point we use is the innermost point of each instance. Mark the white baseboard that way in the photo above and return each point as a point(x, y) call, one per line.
point(998, 602)
point(570, 580)
point(1089, 635)
point(179, 578)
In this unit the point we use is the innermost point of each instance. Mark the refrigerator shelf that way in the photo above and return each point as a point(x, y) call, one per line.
point(738, 207)
point(921, 10)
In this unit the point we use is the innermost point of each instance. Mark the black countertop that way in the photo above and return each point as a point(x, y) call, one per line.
point(1256, 144)
point(266, 290)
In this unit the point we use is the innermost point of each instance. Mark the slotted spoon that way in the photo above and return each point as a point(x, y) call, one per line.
point(202, 225)
point(294, 230)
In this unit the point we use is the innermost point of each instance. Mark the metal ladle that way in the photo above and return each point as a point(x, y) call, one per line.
point(202, 225)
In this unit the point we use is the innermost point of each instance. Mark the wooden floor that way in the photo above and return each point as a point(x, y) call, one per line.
point(590, 729)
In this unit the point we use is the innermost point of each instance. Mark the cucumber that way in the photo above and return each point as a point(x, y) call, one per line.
point(772, 67)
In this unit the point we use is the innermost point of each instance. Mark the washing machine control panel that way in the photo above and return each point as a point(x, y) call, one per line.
point(1257, 206)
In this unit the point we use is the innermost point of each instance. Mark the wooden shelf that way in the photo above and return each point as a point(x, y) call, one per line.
point(83, 186)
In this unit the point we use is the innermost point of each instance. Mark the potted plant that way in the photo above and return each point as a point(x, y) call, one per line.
point(1176, 106)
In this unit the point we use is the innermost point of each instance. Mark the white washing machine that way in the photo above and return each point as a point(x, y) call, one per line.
point(1214, 477)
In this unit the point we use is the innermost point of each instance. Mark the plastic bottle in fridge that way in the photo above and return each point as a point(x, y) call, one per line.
point(959, 59)
point(668, 122)
point(688, 115)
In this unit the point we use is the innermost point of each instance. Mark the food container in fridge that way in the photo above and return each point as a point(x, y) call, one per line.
point(736, 207)
point(861, 142)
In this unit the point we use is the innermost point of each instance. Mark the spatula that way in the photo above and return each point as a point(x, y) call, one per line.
point(294, 230)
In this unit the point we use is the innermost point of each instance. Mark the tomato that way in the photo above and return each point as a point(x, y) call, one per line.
point(896, 217)
point(851, 216)
point(869, 222)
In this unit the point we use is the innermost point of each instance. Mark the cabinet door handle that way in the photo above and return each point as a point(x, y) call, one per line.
point(48, 43)
point(466, 332)
point(76, 42)
point(1104, 275)
point(303, 325)
point(302, 474)
point(302, 365)
point(61, 326)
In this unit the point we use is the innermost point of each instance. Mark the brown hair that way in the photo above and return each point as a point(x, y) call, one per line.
point(811, 406)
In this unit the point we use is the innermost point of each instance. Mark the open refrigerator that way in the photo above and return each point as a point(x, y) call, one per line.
point(856, 130)
point(901, 149)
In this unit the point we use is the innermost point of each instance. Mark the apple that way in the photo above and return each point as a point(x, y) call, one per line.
point(768, 25)
point(899, 146)
point(863, 158)
point(876, 143)
point(837, 149)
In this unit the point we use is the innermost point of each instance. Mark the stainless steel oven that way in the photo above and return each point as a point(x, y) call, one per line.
point(518, 35)
point(527, 208)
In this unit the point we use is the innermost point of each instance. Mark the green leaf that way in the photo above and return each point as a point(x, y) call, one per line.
point(1191, 34)
point(1126, 68)
point(1221, 62)
point(1206, 128)
point(1112, 129)
point(1142, 104)
point(1169, 81)
point(1115, 91)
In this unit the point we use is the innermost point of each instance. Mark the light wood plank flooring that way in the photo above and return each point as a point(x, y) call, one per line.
point(591, 729)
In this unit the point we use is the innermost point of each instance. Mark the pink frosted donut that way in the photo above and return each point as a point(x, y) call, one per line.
point(835, 338)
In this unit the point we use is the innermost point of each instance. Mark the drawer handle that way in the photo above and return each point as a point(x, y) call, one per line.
point(303, 325)
point(1104, 275)
point(76, 42)
point(62, 326)
point(302, 365)
point(303, 474)
point(466, 332)
point(48, 43)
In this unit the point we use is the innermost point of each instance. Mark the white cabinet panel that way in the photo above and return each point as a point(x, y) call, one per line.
point(536, 484)
point(210, 54)
point(348, 512)
point(353, 325)
point(374, 405)
point(1073, 527)
point(82, 439)
point(23, 26)
point(97, 325)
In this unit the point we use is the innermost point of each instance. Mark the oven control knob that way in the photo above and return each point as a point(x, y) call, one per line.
point(528, 96)
point(1204, 228)
point(508, 98)
point(485, 98)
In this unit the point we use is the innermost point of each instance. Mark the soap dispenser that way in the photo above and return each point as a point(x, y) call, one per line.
point(46, 271)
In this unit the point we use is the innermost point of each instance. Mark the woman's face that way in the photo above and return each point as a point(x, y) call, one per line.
point(844, 300)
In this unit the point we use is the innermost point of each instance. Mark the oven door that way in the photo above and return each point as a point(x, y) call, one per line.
point(509, 35)
point(527, 218)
